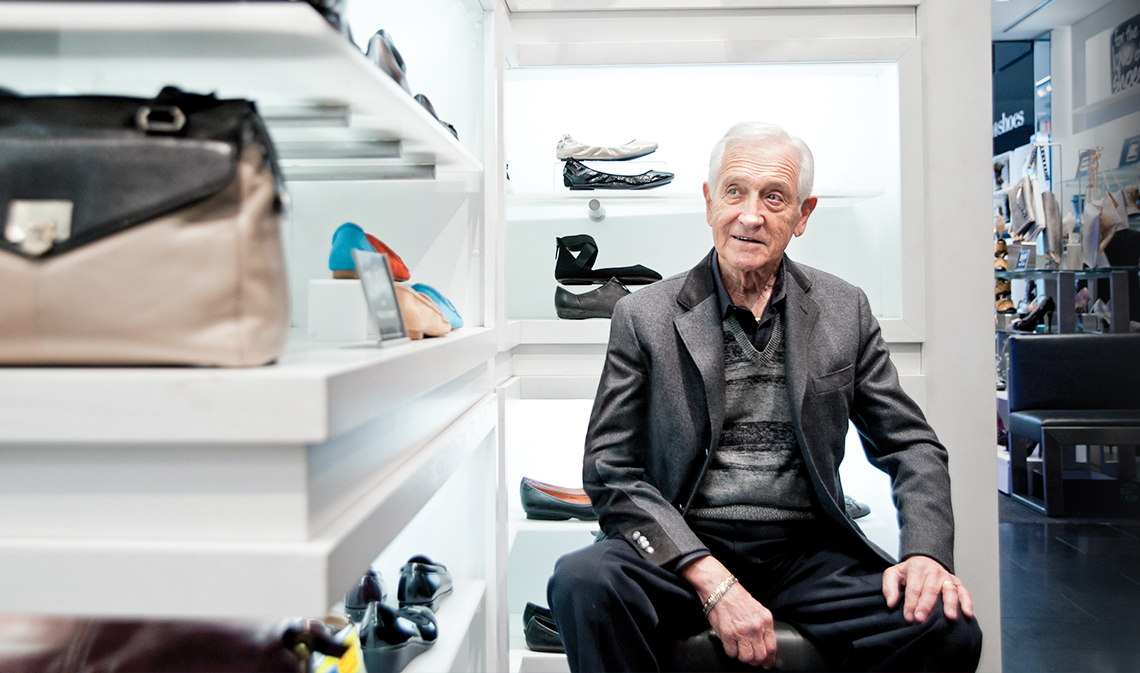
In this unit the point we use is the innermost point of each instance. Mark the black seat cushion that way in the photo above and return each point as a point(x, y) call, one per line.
point(1074, 371)
point(1028, 423)
point(704, 652)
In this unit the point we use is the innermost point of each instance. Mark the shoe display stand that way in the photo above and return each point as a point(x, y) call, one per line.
point(1065, 315)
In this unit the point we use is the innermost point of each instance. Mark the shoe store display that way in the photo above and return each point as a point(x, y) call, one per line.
point(578, 176)
point(568, 148)
point(421, 315)
point(855, 509)
point(1038, 309)
point(384, 54)
point(423, 583)
point(575, 265)
point(392, 637)
point(546, 502)
point(423, 100)
point(448, 309)
point(1003, 302)
point(597, 303)
point(346, 238)
point(370, 589)
point(540, 631)
point(399, 269)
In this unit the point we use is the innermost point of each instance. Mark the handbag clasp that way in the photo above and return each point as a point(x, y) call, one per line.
point(177, 119)
point(36, 225)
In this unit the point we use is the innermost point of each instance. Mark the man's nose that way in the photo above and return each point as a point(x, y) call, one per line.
point(752, 212)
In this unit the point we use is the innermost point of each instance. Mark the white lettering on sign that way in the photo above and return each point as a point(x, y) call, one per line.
point(1007, 124)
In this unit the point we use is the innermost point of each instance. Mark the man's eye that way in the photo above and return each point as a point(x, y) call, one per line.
point(775, 197)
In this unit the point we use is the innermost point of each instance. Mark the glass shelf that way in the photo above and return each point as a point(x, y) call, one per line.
point(1100, 272)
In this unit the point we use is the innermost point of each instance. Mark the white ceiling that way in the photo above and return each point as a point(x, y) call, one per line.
point(1054, 14)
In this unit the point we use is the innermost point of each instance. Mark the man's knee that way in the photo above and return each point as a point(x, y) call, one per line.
point(582, 574)
point(959, 641)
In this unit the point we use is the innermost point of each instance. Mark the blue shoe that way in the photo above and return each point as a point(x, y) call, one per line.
point(348, 237)
point(441, 301)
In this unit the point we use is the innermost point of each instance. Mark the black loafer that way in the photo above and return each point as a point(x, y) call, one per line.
point(552, 503)
point(577, 175)
point(597, 303)
point(574, 265)
point(423, 583)
point(390, 637)
point(542, 636)
point(531, 610)
point(855, 509)
point(370, 589)
point(423, 100)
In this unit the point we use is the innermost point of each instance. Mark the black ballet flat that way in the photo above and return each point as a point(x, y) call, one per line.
point(575, 265)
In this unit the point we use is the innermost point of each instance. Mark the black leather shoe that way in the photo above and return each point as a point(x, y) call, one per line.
point(423, 100)
point(855, 509)
point(370, 589)
point(597, 303)
point(390, 637)
point(542, 636)
point(576, 175)
point(423, 583)
point(383, 53)
point(574, 265)
point(1037, 310)
point(553, 503)
point(532, 610)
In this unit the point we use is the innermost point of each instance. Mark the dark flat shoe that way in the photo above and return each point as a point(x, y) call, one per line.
point(532, 610)
point(423, 583)
point(597, 303)
point(370, 589)
point(552, 504)
point(382, 51)
point(855, 509)
point(575, 265)
point(391, 637)
point(542, 636)
point(577, 175)
point(423, 100)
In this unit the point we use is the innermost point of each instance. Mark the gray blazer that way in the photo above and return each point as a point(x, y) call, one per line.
point(660, 405)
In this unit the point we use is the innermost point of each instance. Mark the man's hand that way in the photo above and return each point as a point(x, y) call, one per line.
point(924, 579)
point(743, 625)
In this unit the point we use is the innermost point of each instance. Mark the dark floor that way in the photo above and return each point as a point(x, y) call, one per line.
point(1070, 592)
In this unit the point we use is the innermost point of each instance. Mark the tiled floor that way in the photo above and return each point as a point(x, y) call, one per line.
point(1070, 592)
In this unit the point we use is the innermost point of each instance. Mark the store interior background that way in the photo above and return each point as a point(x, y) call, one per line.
point(340, 456)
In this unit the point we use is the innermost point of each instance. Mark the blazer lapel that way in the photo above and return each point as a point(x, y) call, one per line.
point(701, 332)
point(800, 316)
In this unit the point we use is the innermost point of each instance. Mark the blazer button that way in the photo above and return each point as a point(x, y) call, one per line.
point(636, 534)
point(649, 550)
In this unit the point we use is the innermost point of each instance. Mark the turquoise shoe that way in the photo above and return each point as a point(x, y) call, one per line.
point(348, 237)
point(441, 301)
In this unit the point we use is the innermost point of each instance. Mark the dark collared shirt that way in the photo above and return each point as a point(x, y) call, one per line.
point(760, 332)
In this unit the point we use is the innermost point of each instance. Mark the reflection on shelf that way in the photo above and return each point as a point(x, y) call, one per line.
point(1099, 272)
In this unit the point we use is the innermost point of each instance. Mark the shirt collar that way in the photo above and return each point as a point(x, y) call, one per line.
point(726, 301)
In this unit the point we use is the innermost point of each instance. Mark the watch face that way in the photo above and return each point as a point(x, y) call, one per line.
point(380, 291)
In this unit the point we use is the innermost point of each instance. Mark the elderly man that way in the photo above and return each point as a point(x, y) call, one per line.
point(713, 452)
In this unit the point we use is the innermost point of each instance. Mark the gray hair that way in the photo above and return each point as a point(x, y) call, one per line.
point(760, 133)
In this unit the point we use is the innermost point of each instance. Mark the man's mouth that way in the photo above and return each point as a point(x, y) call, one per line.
point(746, 239)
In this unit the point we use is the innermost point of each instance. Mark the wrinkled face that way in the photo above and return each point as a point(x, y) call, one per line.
point(754, 208)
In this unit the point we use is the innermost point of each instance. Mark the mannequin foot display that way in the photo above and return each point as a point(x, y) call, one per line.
point(391, 637)
point(578, 176)
point(568, 148)
point(423, 583)
point(597, 303)
point(575, 265)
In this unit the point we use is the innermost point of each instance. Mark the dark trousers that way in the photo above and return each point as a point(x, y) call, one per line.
point(614, 610)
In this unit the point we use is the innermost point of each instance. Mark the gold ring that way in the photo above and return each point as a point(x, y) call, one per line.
point(950, 582)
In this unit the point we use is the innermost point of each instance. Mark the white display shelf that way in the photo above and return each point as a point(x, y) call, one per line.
point(312, 393)
point(524, 660)
point(282, 55)
point(457, 619)
point(591, 331)
point(234, 578)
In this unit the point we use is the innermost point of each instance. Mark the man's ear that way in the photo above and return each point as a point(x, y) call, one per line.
point(708, 203)
point(805, 212)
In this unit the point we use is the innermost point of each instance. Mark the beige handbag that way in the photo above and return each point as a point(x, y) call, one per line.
point(139, 232)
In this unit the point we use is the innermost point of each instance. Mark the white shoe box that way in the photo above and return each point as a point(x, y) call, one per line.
point(338, 311)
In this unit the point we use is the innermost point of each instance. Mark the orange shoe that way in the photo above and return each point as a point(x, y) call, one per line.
point(399, 269)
